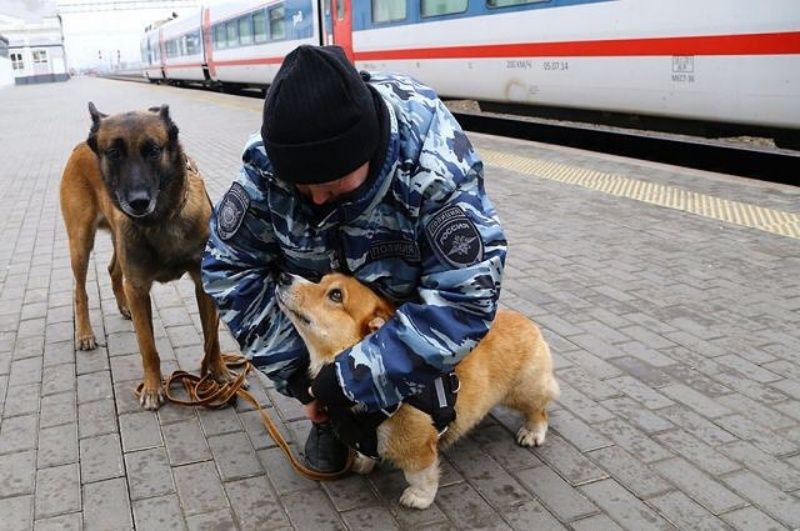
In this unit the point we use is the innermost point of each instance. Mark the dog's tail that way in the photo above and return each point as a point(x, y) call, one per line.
point(553, 389)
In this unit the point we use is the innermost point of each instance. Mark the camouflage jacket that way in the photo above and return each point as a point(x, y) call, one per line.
point(424, 234)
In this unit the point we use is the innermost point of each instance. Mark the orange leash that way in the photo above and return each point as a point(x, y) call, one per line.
point(205, 391)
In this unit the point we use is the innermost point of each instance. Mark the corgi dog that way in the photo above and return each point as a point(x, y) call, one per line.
point(510, 366)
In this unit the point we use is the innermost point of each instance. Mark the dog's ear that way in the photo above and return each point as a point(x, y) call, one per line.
point(378, 319)
point(97, 117)
point(163, 113)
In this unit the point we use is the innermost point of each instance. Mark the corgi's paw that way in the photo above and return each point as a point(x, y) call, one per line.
point(417, 498)
point(362, 464)
point(534, 437)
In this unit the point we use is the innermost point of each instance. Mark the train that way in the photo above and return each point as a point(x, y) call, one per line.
point(716, 61)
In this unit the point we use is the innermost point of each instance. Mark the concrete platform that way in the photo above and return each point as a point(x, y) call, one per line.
point(671, 300)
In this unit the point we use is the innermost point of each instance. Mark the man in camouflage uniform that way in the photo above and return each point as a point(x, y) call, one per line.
point(369, 175)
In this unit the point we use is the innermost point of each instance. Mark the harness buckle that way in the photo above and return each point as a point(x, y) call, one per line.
point(455, 383)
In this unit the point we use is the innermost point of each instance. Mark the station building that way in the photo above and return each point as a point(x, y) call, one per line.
point(35, 50)
point(6, 71)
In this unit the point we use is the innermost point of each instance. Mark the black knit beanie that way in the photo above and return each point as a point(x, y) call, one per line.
point(319, 122)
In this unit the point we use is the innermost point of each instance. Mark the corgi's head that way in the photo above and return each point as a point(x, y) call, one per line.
point(332, 315)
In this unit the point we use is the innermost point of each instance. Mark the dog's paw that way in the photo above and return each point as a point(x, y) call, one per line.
point(152, 398)
point(86, 342)
point(535, 437)
point(417, 498)
point(362, 464)
point(124, 311)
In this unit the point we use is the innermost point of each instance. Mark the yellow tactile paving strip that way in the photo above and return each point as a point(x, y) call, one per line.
point(747, 215)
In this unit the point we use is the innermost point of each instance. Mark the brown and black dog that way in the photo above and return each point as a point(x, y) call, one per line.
point(132, 177)
point(511, 366)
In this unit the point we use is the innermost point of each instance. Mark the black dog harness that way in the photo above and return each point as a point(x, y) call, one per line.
point(359, 430)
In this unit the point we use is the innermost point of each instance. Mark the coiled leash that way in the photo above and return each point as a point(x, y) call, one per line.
point(205, 391)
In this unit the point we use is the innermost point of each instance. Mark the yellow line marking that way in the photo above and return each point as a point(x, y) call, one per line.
point(744, 214)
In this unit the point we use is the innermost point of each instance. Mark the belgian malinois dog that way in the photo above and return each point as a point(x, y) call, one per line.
point(132, 177)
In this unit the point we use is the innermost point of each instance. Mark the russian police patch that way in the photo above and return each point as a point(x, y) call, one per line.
point(232, 210)
point(455, 238)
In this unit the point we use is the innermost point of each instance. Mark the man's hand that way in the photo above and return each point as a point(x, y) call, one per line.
point(315, 412)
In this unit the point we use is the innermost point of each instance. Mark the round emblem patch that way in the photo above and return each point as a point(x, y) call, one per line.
point(454, 238)
point(232, 210)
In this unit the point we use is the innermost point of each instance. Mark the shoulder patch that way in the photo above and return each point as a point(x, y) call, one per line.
point(231, 211)
point(454, 238)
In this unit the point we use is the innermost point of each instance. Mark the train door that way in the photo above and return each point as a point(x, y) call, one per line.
point(209, 72)
point(162, 53)
point(343, 26)
point(326, 23)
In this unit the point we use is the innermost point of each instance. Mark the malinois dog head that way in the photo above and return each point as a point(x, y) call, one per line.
point(141, 160)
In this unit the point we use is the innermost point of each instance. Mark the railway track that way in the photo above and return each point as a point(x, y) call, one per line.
point(775, 165)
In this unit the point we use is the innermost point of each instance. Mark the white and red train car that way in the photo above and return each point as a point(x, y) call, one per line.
point(726, 61)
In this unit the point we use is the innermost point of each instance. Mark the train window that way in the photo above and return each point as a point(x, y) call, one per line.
point(171, 47)
point(260, 26)
point(388, 11)
point(233, 33)
point(340, 9)
point(277, 24)
point(220, 40)
point(193, 43)
point(434, 8)
point(246, 30)
point(508, 3)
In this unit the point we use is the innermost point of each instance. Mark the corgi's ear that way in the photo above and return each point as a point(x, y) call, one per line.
point(375, 323)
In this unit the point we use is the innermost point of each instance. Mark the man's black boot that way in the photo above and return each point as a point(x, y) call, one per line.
point(324, 452)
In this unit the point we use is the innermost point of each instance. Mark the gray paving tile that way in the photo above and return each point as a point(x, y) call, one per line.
point(17, 513)
point(467, 509)
point(149, 473)
point(17, 473)
point(750, 518)
point(493, 483)
point(705, 490)
point(281, 474)
point(185, 443)
point(556, 494)
point(623, 507)
point(234, 456)
point(94, 386)
point(96, 418)
point(58, 491)
point(58, 378)
point(531, 515)
point(65, 522)
point(629, 471)
point(781, 506)
point(101, 458)
point(311, 510)
point(106, 505)
point(58, 446)
point(686, 514)
point(370, 518)
point(18, 433)
point(599, 522)
point(699, 453)
point(199, 488)
point(255, 505)
point(139, 431)
point(22, 400)
point(214, 521)
point(156, 514)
